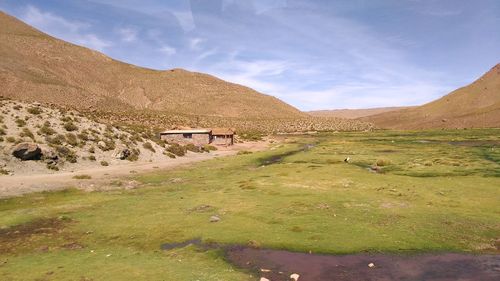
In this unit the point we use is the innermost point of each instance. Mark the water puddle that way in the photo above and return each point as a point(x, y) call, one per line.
point(277, 265)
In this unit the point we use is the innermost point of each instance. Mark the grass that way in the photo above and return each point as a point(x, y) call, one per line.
point(309, 200)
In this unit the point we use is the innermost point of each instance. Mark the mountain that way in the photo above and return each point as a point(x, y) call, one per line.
point(474, 106)
point(37, 67)
point(352, 113)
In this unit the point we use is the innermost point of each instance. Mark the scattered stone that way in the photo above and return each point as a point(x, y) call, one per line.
point(27, 151)
point(294, 276)
point(347, 159)
point(371, 265)
point(264, 279)
point(215, 219)
point(265, 270)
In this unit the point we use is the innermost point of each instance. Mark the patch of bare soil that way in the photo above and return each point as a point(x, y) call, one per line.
point(278, 265)
point(22, 235)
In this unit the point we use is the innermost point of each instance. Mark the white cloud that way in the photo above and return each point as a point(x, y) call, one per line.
point(128, 34)
point(168, 50)
point(72, 31)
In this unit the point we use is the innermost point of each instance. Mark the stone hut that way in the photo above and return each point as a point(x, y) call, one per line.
point(199, 137)
point(195, 136)
point(223, 136)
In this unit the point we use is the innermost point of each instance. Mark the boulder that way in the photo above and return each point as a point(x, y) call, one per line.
point(48, 153)
point(122, 153)
point(214, 219)
point(27, 151)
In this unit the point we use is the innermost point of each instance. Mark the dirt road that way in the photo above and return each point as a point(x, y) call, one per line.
point(25, 183)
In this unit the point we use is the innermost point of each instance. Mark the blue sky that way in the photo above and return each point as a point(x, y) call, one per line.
point(311, 54)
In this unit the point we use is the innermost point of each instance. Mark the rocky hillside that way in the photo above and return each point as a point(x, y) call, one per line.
point(352, 113)
point(38, 67)
point(474, 106)
point(36, 138)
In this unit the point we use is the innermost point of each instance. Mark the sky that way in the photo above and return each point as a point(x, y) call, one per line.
point(313, 54)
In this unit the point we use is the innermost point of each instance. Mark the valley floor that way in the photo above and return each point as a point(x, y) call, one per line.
point(401, 197)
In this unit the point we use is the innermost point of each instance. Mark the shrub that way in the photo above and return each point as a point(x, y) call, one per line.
point(92, 158)
point(383, 162)
point(134, 155)
point(56, 140)
point(17, 107)
point(109, 144)
point(148, 146)
point(83, 136)
point(27, 133)
point(66, 119)
point(20, 122)
point(52, 166)
point(67, 154)
point(2, 132)
point(209, 148)
point(193, 148)
point(243, 152)
point(92, 149)
point(46, 130)
point(34, 110)
point(177, 149)
point(71, 139)
point(11, 139)
point(171, 155)
point(251, 136)
point(1, 139)
point(104, 163)
point(70, 126)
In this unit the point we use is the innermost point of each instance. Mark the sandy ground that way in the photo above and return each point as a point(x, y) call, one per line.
point(20, 184)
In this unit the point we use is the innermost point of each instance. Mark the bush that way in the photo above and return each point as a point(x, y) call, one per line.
point(34, 110)
point(27, 133)
point(92, 158)
point(20, 122)
point(251, 136)
point(71, 139)
point(67, 154)
point(70, 126)
point(17, 107)
point(193, 148)
point(383, 162)
point(177, 149)
point(52, 166)
point(243, 152)
point(2, 132)
point(209, 148)
point(83, 136)
point(148, 146)
point(134, 155)
point(57, 140)
point(46, 130)
point(11, 139)
point(109, 144)
point(104, 163)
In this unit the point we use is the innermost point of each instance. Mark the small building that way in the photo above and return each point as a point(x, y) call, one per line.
point(217, 136)
point(222, 136)
point(185, 136)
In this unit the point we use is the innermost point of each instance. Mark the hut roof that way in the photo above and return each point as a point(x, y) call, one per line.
point(187, 131)
point(222, 131)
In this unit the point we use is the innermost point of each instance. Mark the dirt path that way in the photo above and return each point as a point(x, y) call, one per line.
point(27, 183)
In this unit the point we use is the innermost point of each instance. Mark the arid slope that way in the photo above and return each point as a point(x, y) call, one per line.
point(353, 113)
point(37, 67)
point(474, 106)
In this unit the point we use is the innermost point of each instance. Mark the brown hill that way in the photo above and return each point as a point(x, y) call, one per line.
point(474, 106)
point(352, 113)
point(37, 67)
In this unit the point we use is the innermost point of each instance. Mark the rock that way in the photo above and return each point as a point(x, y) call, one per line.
point(294, 277)
point(214, 219)
point(347, 159)
point(371, 265)
point(48, 153)
point(101, 144)
point(27, 151)
point(122, 153)
point(264, 279)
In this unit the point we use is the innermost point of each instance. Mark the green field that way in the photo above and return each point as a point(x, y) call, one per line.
point(431, 191)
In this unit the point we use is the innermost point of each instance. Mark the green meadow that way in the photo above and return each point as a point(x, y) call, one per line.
point(400, 192)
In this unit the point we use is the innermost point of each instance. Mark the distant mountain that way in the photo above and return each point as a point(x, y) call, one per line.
point(474, 106)
point(37, 67)
point(352, 113)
